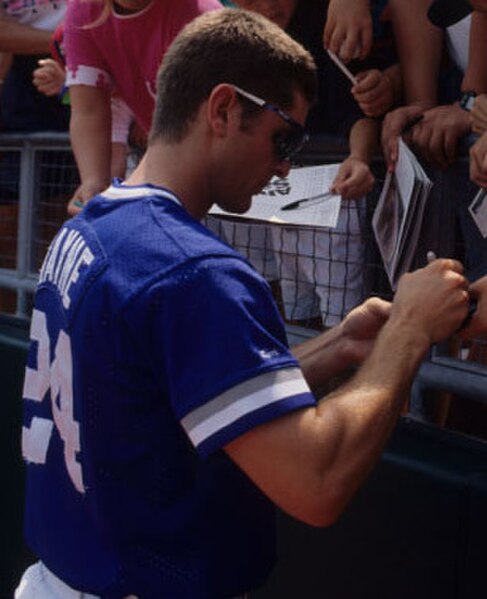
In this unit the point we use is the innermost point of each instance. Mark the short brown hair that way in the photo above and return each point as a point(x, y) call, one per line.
point(228, 46)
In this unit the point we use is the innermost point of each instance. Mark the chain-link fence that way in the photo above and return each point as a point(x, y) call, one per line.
point(317, 275)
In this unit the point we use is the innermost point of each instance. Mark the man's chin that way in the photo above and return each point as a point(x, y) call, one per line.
point(234, 208)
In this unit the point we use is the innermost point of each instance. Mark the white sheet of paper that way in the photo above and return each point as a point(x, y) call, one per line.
point(478, 210)
point(301, 183)
point(404, 173)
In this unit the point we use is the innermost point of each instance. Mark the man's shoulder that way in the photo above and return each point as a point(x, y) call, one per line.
point(152, 219)
point(149, 235)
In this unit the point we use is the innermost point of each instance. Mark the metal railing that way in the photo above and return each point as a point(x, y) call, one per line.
point(38, 175)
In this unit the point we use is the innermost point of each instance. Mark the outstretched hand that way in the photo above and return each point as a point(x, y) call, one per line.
point(478, 323)
point(373, 92)
point(394, 124)
point(354, 179)
point(436, 137)
point(49, 77)
point(81, 196)
point(479, 114)
point(348, 29)
point(478, 161)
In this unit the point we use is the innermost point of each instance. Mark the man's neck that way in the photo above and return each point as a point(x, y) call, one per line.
point(173, 168)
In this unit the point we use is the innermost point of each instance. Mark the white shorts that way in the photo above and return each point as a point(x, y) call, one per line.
point(40, 583)
point(321, 271)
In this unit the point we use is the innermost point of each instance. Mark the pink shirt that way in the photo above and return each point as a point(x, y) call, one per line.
point(124, 52)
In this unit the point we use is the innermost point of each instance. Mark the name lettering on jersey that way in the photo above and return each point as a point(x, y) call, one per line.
point(68, 254)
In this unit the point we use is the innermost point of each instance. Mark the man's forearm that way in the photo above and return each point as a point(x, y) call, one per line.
point(362, 414)
point(322, 357)
point(347, 344)
point(316, 458)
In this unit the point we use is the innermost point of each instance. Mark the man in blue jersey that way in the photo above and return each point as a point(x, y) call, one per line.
point(165, 416)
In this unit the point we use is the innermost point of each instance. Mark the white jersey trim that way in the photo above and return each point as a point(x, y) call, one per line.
point(128, 192)
point(241, 400)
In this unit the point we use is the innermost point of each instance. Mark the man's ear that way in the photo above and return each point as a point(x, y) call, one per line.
point(223, 108)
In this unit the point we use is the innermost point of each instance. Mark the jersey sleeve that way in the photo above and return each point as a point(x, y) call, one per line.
point(219, 346)
point(84, 63)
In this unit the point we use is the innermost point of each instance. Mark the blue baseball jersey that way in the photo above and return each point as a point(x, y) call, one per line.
point(153, 345)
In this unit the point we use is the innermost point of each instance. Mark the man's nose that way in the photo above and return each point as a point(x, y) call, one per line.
point(282, 168)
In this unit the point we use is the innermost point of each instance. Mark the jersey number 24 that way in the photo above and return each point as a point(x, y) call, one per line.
point(56, 376)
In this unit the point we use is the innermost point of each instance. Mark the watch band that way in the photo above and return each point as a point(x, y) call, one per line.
point(467, 100)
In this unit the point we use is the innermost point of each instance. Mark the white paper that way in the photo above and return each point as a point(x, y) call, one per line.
point(478, 210)
point(301, 183)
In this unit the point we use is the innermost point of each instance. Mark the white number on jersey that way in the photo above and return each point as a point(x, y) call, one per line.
point(58, 377)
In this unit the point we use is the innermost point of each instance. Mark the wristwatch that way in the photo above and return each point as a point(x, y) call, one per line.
point(467, 100)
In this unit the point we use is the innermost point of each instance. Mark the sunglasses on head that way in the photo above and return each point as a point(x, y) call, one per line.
point(286, 144)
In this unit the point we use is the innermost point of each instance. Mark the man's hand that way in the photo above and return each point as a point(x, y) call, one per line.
point(433, 300)
point(374, 92)
point(478, 161)
point(479, 114)
point(353, 179)
point(348, 29)
point(361, 326)
point(478, 323)
point(436, 137)
point(392, 128)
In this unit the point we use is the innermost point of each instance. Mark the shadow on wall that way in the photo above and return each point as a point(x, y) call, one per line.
point(14, 555)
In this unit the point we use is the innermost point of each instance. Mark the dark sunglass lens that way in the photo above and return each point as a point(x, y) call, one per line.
point(281, 147)
point(289, 144)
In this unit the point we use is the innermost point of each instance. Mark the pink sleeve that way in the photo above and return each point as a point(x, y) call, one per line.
point(84, 61)
point(122, 118)
point(206, 5)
